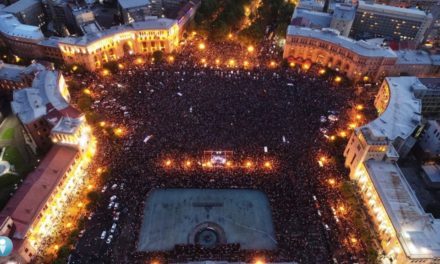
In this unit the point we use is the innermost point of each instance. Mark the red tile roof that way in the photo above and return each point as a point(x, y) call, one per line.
point(38, 186)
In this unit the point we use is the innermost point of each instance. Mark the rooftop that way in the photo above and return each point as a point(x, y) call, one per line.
point(11, 72)
point(10, 26)
point(128, 4)
point(407, 13)
point(35, 102)
point(361, 47)
point(316, 18)
point(151, 24)
point(432, 172)
point(20, 6)
point(67, 125)
point(30, 198)
point(344, 12)
point(403, 112)
point(413, 57)
point(417, 231)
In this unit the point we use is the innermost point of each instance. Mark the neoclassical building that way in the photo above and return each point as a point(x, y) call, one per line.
point(326, 47)
point(95, 49)
point(408, 234)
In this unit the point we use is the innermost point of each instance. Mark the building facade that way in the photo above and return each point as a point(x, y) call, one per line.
point(407, 233)
point(393, 23)
point(326, 47)
point(430, 139)
point(29, 12)
point(94, 50)
point(342, 18)
point(34, 212)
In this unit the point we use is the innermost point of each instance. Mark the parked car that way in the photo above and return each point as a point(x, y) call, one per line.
point(112, 230)
point(103, 234)
point(109, 239)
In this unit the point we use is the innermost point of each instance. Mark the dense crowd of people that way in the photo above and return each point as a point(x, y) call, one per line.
point(260, 113)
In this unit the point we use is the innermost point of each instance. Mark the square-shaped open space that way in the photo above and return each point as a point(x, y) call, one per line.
point(206, 217)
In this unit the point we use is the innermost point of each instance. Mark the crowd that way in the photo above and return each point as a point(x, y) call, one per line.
point(188, 108)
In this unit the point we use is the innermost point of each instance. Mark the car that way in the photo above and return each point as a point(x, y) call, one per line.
point(109, 239)
point(114, 186)
point(81, 233)
point(110, 205)
point(91, 215)
point(116, 216)
point(116, 206)
point(113, 198)
point(103, 234)
point(112, 230)
point(104, 189)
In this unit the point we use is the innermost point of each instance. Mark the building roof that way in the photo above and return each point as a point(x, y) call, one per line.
point(417, 231)
point(361, 47)
point(67, 125)
point(33, 103)
point(403, 112)
point(128, 4)
point(413, 57)
point(21, 6)
point(432, 172)
point(10, 26)
point(151, 24)
point(311, 4)
point(344, 12)
point(31, 197)
point(320, 19)
point(11, 72)
point(406, 13)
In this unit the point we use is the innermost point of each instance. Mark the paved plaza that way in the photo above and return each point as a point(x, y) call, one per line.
point(207, 217)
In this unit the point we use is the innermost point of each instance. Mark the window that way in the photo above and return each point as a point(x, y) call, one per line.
point(352, 160)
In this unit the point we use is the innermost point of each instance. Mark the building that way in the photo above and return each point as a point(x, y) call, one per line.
point(29, 12)
point(137, 10)
point(95, 49)
point(342, 18)
point(416, 63)
point(187, 13)
point(61, 12)
point(392, 23)
point(430, 139)
point(33, 213)
point(13, 77)
point(431, 175)
point(356, 59)
point(41, 106)
point(428, 90)
point(310, 18)
point(20, 38)
point(407, 233)
point(85, 21)
point(28, 209)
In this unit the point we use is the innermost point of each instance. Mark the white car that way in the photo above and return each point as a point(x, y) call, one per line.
point(112, 230)
point(104, 189)
point(110, 205)
point(114, 186)
point(109, 239)
point(113, 198)
point(116, 216)
point(103, 234)
point(91, 215)
point(116, 206)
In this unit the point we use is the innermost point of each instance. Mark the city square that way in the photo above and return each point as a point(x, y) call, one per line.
point(215, 132)
point(220, 112)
